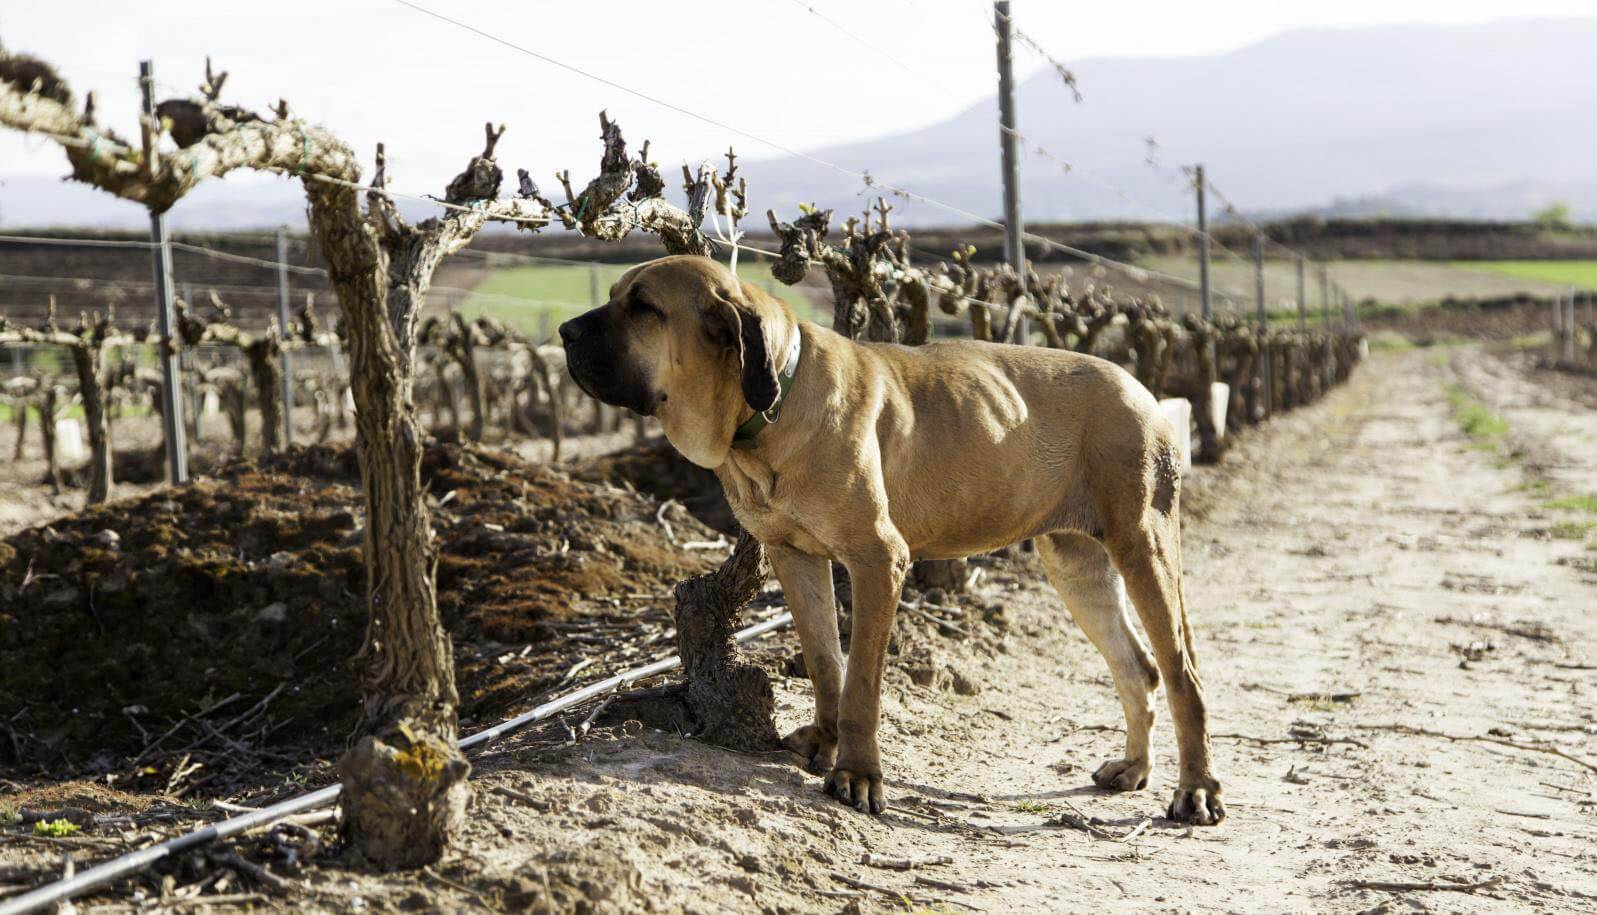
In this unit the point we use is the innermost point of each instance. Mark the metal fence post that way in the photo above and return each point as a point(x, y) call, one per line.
point(177, 458)
point(1204, 294)
point(1267, 377)
point(1303, 296)
point(1569, 327)
point(282, 323)
point(1325, 298)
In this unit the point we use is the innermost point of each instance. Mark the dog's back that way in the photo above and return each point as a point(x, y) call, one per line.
point(1036, 439)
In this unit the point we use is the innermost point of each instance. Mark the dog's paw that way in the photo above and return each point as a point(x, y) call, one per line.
point(814, 745)
point(860, 790)
point(1198, 804)
point(1123, 774)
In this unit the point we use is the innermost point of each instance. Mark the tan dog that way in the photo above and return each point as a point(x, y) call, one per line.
point(880, 454)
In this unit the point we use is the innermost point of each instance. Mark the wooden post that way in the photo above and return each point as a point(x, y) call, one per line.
point(177, 458)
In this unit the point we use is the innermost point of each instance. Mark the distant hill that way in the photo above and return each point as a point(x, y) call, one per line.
point(1487, 122)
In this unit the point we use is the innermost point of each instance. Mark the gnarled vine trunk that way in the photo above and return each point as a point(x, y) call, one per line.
point(88, 360)
point(731, 700)
point(47, 413)
point(405, 790)
point(265, 358)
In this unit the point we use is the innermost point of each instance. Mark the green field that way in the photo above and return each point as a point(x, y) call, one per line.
point(1580, 274)
point(1388, 281)
point(535, 299)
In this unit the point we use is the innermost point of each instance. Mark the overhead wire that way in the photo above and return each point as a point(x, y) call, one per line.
point(866, 177)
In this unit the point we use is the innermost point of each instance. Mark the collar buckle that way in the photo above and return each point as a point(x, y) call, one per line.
point(744, 437)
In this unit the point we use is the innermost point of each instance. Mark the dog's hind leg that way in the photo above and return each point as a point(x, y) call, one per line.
point(807, 585)
point(1086, 580)
point(1146, 548)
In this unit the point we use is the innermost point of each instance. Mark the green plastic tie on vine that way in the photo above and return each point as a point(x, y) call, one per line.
point(305, 149)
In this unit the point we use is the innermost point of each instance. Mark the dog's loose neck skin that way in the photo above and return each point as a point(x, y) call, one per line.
point(704, 436)
point(749, 474)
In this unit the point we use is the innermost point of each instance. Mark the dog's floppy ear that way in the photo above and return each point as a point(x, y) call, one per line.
point(746, 336)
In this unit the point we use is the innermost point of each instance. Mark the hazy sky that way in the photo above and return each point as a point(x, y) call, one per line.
point(377, 70)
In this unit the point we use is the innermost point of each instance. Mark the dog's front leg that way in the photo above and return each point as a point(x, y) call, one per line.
point(807, 584)
point(877, 578)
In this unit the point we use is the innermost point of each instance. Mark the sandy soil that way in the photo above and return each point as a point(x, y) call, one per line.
point(1364, 580)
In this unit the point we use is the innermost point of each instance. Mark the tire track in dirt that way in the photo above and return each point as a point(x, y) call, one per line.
point(1359, 548)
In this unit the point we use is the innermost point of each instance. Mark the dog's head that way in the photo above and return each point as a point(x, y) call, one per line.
point(685, 340)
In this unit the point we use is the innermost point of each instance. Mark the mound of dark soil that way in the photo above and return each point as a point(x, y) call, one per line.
point(654, 467)
point(1500, 318)
point(224, 614)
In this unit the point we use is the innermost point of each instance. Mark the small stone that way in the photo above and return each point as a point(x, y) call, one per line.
point(66, 597)
point(108, 539)
point(272, 613)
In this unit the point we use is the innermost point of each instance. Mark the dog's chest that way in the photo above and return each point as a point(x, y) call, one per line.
point(765, 511)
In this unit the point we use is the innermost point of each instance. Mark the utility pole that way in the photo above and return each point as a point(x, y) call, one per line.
point(177, 457)
point(282, 326)
point(1204, 295)
point(1303, 296)
point(1014, 248)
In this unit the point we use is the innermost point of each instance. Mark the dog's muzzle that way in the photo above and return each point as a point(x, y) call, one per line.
point(599, 364)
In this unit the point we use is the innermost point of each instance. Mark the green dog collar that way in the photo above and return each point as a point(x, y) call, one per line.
point(743, 438)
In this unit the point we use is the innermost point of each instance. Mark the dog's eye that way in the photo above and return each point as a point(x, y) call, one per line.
point(640, 307)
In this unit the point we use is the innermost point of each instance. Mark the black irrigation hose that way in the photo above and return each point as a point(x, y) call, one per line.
point(133, 862)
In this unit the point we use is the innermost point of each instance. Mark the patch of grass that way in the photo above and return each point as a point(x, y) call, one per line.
point(1535, 487)
point(1032, 807)
point(535, 299)
point(1322, 702)
point(1487, 430)
point(1580, 503)
point(55, 829)
point(1572, 273)
point(9, 816)
point(1539, 340)
point(1572, 530)
point(1386, 341)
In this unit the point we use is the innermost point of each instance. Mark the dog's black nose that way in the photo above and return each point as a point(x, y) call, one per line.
point(570, 331)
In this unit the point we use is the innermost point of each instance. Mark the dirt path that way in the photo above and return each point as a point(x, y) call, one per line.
point(1358, 570)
